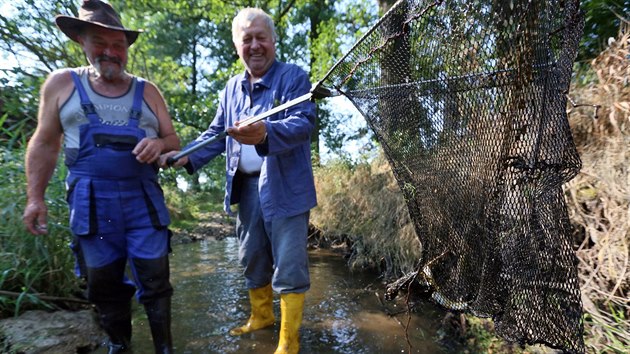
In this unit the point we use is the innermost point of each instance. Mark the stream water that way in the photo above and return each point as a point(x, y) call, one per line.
point(343, 311)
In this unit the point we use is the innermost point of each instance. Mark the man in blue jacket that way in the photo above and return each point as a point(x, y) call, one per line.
point(269, 175)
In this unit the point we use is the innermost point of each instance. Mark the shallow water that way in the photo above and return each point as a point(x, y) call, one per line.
point(343, 311)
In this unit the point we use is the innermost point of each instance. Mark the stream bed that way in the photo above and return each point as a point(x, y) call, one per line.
point(344, 311)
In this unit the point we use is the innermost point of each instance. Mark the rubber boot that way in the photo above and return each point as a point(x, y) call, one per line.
point(159, 316)
point(261, 301)
point(116, 348)
point(111, 292)
point(116, 321)
point(291, 307)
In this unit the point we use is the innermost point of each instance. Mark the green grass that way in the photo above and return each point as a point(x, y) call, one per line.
point(32, 265)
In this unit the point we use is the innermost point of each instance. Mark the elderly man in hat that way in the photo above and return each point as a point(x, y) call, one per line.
point(114, 126)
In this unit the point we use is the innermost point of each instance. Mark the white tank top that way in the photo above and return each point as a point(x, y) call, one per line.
point(111, 110)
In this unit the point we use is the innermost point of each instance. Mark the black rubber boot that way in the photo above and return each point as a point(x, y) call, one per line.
point(109, 290)
point(116, 321)
point(155, 294)
point(116, 348)
point(159, 315)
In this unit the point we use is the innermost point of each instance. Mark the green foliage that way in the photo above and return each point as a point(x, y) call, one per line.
point(336, 31)
point(602, 19)
point(187, 207)
point(12, 133)
point(18, 111)
point(28, 35)
point(611, 326)
point(29, 38)
point(32, 265)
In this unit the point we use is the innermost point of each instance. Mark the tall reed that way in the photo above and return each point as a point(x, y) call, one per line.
point(32, 266)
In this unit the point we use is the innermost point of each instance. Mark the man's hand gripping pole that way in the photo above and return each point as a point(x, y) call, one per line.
point(316, 92)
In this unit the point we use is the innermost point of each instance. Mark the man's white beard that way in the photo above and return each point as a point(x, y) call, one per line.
point(108, 72)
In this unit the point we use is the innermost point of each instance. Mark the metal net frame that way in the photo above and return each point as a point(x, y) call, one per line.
point(468, 100)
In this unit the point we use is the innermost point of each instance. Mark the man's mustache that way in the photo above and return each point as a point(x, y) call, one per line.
point(101, 58)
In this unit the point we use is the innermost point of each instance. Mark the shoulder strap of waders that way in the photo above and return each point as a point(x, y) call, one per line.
point(86, 104)
point(136, 108)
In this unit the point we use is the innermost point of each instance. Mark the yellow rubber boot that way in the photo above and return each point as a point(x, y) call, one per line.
point(261, 300)
point(291, 307)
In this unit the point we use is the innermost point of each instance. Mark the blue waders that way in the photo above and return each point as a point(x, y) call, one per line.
point(117, 213)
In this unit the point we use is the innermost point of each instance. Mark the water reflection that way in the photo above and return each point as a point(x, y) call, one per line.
point(343, 313)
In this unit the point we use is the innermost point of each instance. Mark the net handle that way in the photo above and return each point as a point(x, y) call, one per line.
point(248, 121)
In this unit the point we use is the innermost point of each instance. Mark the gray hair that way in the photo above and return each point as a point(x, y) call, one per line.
point(246, 16)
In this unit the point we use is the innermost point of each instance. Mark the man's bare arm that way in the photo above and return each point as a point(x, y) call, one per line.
point(43, 150)
point(149, 150)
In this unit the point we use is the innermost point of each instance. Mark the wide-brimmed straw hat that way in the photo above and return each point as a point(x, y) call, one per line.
point(95, 13)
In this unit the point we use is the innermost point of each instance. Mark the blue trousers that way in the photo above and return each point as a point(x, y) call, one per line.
point(126, 235)
point(271, 251)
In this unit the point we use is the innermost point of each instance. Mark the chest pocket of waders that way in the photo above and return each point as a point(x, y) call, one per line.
point(106, 152)
point(115, 142)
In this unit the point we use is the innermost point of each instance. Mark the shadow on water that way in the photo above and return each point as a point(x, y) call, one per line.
point(343, 311)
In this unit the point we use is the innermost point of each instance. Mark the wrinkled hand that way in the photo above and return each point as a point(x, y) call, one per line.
point(163, 161)
point(148, 150)
point(34, 218)
point(249, 134)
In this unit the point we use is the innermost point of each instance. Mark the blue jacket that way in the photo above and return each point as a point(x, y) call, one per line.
point(286, 184)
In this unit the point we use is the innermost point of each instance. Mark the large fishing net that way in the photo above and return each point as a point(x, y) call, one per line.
point(468, 100)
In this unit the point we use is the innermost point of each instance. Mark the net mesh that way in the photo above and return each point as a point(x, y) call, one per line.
point(468, 100)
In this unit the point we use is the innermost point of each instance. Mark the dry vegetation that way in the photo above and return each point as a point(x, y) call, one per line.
point(599, 197)
point(363, 208)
